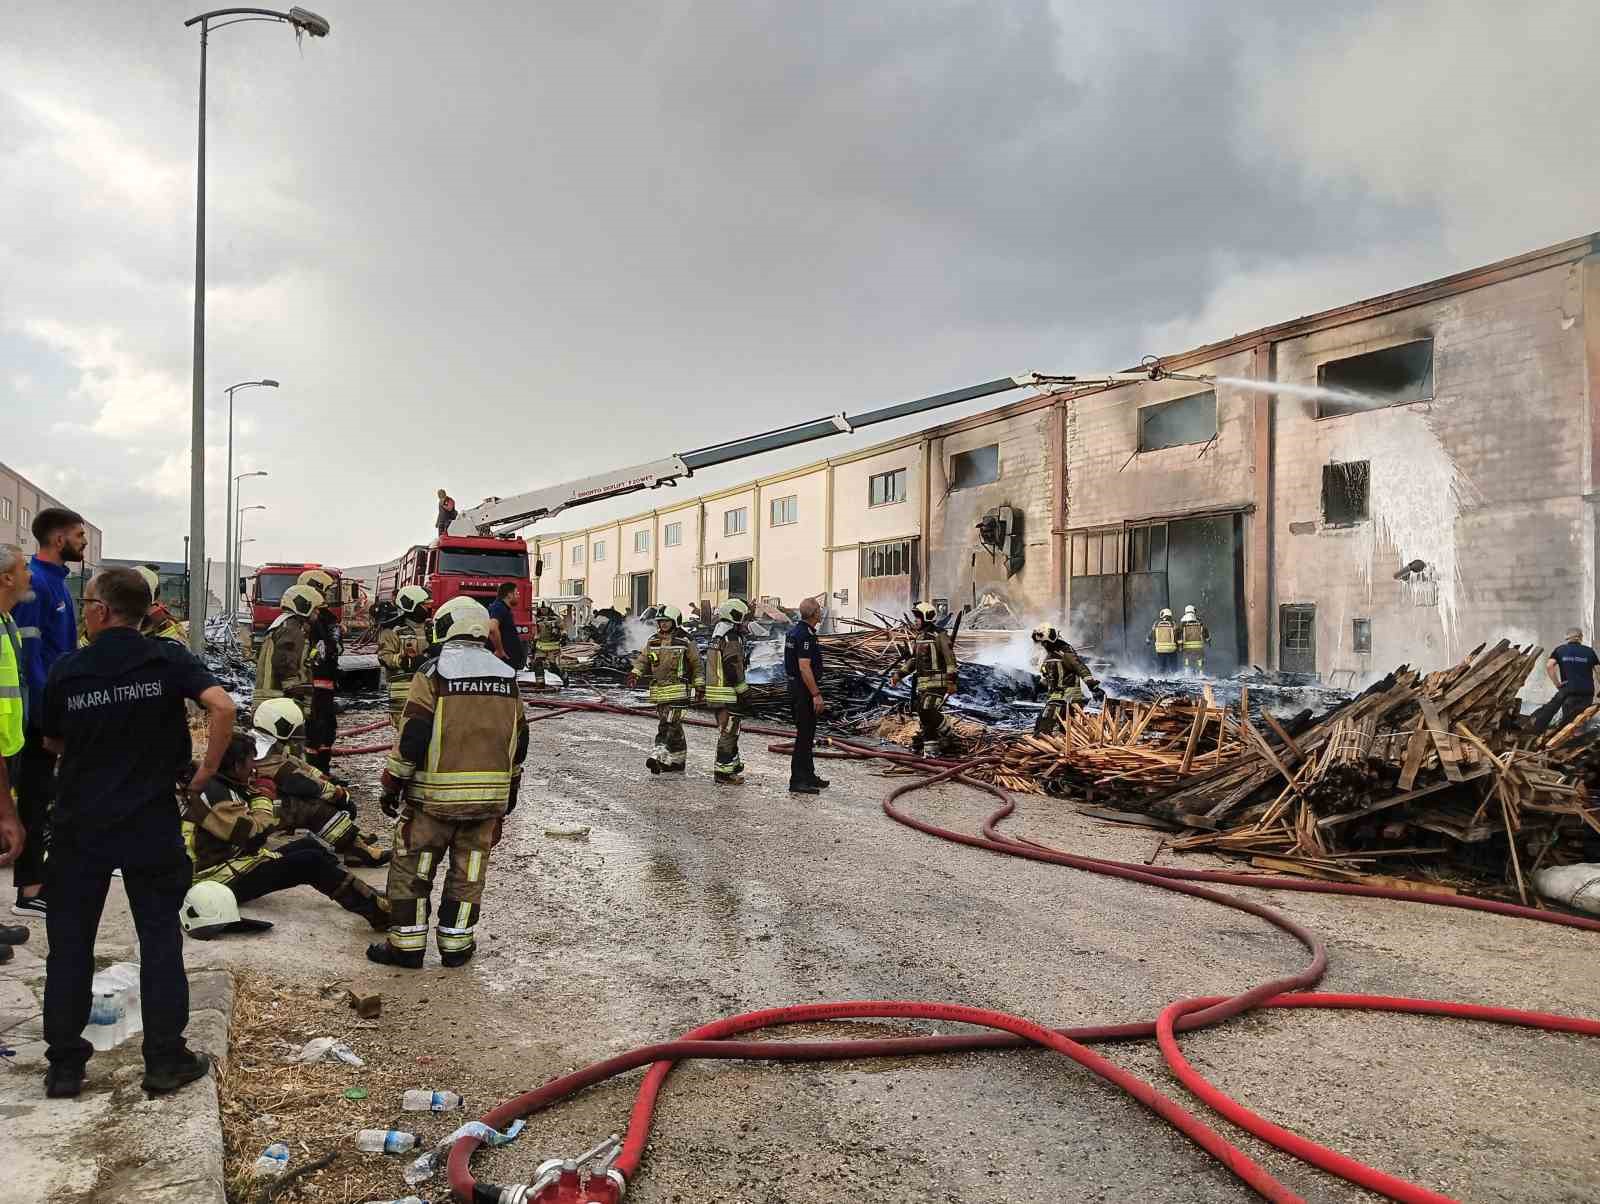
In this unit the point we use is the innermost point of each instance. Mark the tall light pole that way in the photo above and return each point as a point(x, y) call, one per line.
point(233, 551)
point(239, 526)
point(227, 539)
point(303, 21)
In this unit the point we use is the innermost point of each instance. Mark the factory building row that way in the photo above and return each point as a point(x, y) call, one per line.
point(1391, 481)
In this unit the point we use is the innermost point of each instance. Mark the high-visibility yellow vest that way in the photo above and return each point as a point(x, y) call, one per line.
point(11, 701)
point(725, 672)
point(1166, 634)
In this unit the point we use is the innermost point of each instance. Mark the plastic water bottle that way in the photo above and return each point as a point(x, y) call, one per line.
point(273, 1162)
point(419, 1099)
point(407, 1200)
point(385, 1141)
point(114, 1013)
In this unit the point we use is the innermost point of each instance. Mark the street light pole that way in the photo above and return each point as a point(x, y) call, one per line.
point(227, 539)
point(303, 21)
point(233, 549)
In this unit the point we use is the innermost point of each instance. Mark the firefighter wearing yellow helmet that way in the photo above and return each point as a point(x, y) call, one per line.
point(548, 636)
point(451, 779)
point(725, 687)
point(322, 719)
point(403, 640)
point(671, 664)
point(1163, 638)
point(933, 661)
point(283, 663)
point(1063, 676)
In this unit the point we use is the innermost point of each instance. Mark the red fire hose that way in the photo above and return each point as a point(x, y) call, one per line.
point(711, 1041)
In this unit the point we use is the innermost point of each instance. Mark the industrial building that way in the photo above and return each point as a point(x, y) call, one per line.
point(20, 500)
point(1413, 474)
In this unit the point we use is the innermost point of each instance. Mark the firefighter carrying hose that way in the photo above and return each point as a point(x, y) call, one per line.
point(402, 642)
point(283, 667)
point(672, 666)
point(1193, 637)
point(1163, 638)
point(451, 780)
point(548, 636)
point(303, 797)
point(725, 687)
point(322, 656)
point(1063, 675)
point(933, 661)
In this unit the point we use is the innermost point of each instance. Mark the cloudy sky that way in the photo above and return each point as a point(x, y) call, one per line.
point(489, 246)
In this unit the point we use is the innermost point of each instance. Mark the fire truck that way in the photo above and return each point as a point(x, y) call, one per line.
point(266, 592)
point(471, 565)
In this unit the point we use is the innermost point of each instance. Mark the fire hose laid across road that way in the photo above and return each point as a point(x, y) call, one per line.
point(572, 1181)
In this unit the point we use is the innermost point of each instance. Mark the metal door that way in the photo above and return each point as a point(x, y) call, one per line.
point(1146, 595)
point(640, 596)
point(1297, 638)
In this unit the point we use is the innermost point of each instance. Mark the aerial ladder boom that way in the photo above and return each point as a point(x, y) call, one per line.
point(500, 516)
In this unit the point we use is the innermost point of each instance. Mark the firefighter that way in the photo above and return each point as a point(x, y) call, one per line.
point(322, 720)
point(548, 636)
point(303, 797)
point(403, 640)
point(282, 666)
point(672, 665)
point(1193, 637)
point(158, 622)
point(933, 661)
point(1063, 675)
point(225, 829)
point(1163, 638)
point(725, 687)
point(451, 780)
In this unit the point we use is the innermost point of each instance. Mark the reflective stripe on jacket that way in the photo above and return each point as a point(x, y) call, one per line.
point(671, 665)
point(13, 703)
point(226, 840)
point(1195, 637)
point(1165, 636)
point(400, 649)
point(933, 660)
point(283, 664)
point(1063, 674)
point(725, 671)
point(547, 635)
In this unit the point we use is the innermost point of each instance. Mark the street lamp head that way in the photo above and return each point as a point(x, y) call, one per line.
point(258, 473)
point(271, 384)
point(309, 22)
point(242, 509)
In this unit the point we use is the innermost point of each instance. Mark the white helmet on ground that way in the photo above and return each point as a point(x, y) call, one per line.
point(734, 610)
point(461, 618)
point(301, 600)
point(669, 614)
point(209, 909)
point(277, 719)
point(411, 599)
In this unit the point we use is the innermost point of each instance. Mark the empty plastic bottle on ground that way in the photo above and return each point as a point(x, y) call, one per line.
point(407, 1200)
point(419, 1099)
point(385, 1141)
point(273, 1162)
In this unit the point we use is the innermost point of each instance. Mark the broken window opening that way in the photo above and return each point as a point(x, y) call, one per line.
point(1345, 490)
point(1377, 379)
point(890, 559)
point(980, 466)
point(1191, 419)
point(1362, 636)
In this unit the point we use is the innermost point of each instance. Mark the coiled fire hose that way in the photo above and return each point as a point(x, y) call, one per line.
point(716, 1040)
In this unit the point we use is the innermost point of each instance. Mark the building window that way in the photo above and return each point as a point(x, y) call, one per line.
point(1344, 493)
point(785, 510)
point(1147, 548)
point(25, 521)
point(1362, 636)
point(577, 554)
point(1191, 419)
point(5, 510)
point(641, 541)
point(886, 488)
point(891, 559)
point(599, 550)
point(1375, 379)
point(980, 466)
point(575, 587)
point(672, 536)
point(736, 521)
point(1099, 553)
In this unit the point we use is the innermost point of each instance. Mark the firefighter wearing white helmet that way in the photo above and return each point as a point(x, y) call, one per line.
point(725, 687)
point(1193, 637)
point(451, 779)
point(158, 622)
point(1063, 676)
point(932, 660)
point(303, 798)
point(671, 664)
point(1163, 638)
point(283, 668)
point(548, 636)
point(403, 641)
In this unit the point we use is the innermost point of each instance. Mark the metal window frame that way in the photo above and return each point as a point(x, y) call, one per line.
point(888, 477)
point(668, 531)
point(744, 521)
point(791, 507)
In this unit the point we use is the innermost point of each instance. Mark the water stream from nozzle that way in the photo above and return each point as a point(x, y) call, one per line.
point(1365, 401)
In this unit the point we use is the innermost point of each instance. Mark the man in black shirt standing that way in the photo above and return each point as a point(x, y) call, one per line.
point(114, 713)
point(504, 639)
point(802, 665)
point(1571, 669)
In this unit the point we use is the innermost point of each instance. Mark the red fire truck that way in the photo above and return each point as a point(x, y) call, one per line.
point(453, 565)
point(266, 592)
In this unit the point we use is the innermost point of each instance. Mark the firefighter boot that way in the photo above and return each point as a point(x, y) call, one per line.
point(356, 896)
point(364, 850)
point(386, 954)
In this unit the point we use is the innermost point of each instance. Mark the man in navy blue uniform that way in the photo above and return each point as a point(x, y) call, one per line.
point(1571, 668)
point(114, 714)
point(802, 665)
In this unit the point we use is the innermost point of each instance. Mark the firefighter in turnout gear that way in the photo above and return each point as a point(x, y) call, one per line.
point(451, 780)
point(283, 668)
point(1163, 638)
point(403, 639)
point(933, 661)
point(158, 622)
point(322, 720)
point(1064, 676)
point(303, 797)
point(725, 687)
point(1193, 637)
point(225, 829)
point(548, 636)
point(671, 665)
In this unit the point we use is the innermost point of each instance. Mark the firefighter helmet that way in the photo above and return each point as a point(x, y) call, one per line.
point(669, 614)
point(926, 611)
point(277, 719)
point(411, 599)
point(461, 618)
point(151, 579)
point(1188, 614)
point(384, 612)
point(210, 909)
point(734, 610)
point(1166, 613)
point(1045, 634)
point(301, 600)
point(318, 580)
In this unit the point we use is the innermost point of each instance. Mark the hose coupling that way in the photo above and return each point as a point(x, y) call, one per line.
point(587, 1179)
